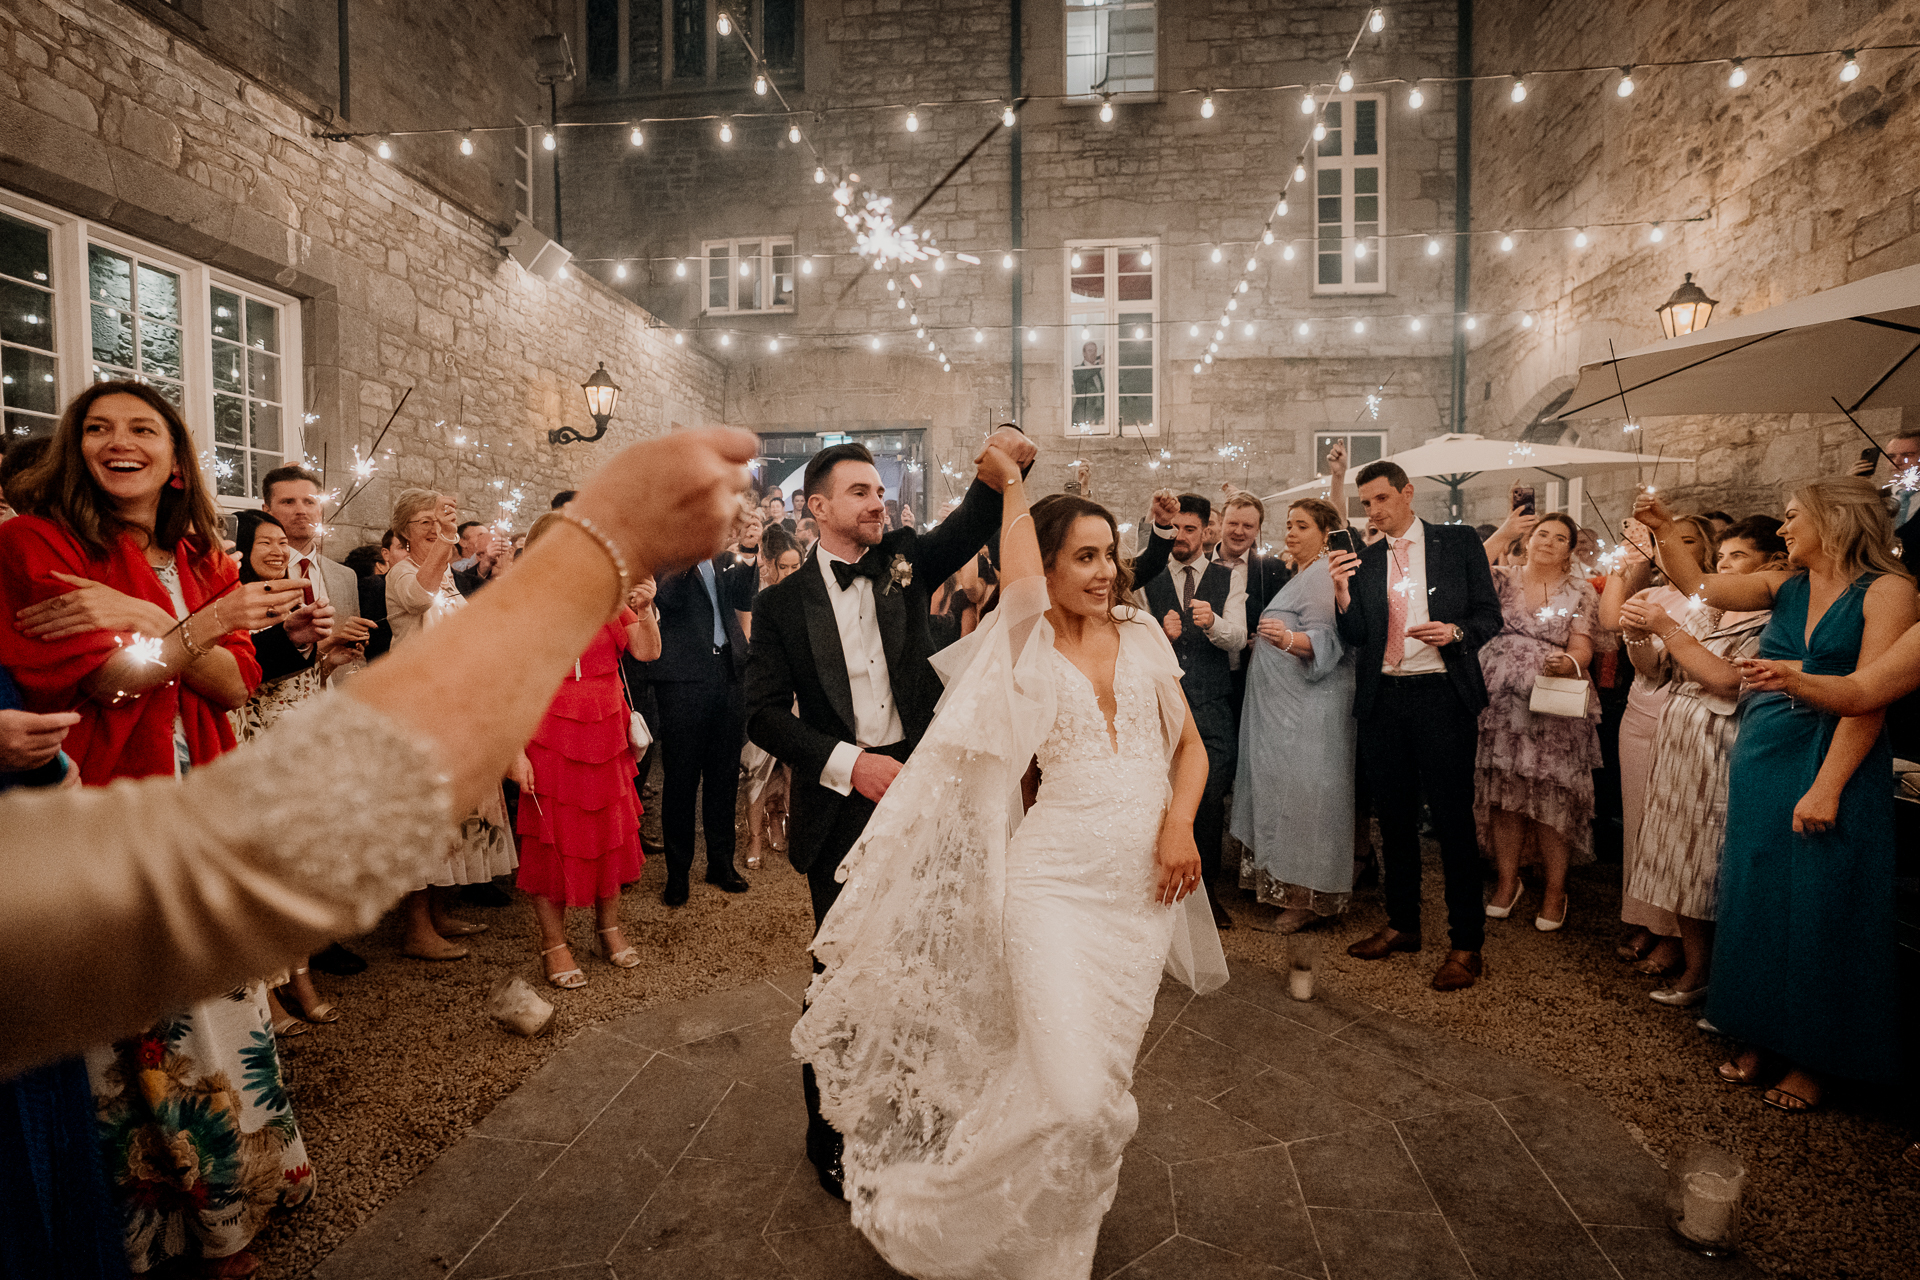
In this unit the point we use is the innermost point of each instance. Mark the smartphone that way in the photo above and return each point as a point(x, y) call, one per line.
point(1523, 499)
point(1870, 454)
point(1342, 540)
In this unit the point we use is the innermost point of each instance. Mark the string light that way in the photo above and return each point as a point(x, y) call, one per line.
point(1319, 131)
point(773, 344)
point(1106, 109)
point(547, 141)
point(760, 85)
point(1359, 326)
point(1738, 76)
point(1206, 107)
point(1216, 254)
point(1346, 77)
point(1006, 262)
point(1519, 91)
point(1193, 331)
point(1506, 243)
point(385, 150)
point(1307, 105)
point(636, 137)
point(1033, 335)
point(806, 266)
point(939, 262)
point(1415, 98)
point(819, 173)
point(876, 344)
point(726, 131)
point(1360, 249)
point(1526, 321)
point(1414, 324)
point(1433, 247)
point(1280, 210)
point(1197, 368)
point(726, 340)
point(1300, 171)
point(793, 133)
point(1287, 253)
point(1076, 260)
point(466, 144)
point(1302, 330)
point(1243, 286)
point(1246, 330)
point(1146, 257)
point(1625, 87)
point(1252, 263)
point(913, 122)
point(679, 339)
point(1658, 233)
point(680, 270)
point(1580, 238)
point(979, 336)
point(1008, 119)
point(620, 271)
point(1471, 323)
point(1850, 69)
point(724, 25)
point(1266, 237)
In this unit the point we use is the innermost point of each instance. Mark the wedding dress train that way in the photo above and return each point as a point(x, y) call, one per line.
point(989, 978)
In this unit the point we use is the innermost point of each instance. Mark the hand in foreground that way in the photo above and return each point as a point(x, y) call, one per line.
point(1171, 624)
point(668, 502)
point(1337, 460)
point(641, 597)
point(995, 467)
point(1176, 863)
point(1651, 512)
point(91, 606)
point(873, 773)
point(28, 741)
point(1817, 812)
point(1013, 442)
point(520, 774)
point(310, 624)
point(1166, 507)
point(1433, 633)
point(1519, 524)
point(1341, 566)
point(1768, 675)
point(1202, 615)
point(355, 630)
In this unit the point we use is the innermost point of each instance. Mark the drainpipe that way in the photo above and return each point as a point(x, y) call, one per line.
point(1462, 205)
point(1017, 398)
point(346, 74)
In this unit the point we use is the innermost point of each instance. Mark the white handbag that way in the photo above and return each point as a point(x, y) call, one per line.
point(637, 732)
point(1560, 696)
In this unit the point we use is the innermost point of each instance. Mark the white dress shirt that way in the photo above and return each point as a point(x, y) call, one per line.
point(876, 717)
point(1237, 602)
point(1229, 629)
point(312, 559)
point(1420, 658)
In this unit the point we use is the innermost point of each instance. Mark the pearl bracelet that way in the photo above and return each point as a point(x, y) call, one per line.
point(607, 545)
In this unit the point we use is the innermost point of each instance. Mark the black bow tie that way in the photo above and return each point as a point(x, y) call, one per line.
point(867, 566)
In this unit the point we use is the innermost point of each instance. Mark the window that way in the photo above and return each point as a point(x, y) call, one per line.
point(29, 369)
point(1362, 447)
point(523, 171)
point(1110, 47)
point(745, 276)
point(668, 46)
point(214, 345)
point(1112, 333)
point(1349, 174)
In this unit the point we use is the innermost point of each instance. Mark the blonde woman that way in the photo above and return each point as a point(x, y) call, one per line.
point(420, 592)
point(1803, 962)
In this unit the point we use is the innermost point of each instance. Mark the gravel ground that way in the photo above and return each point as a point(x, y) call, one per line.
point(413, 1062)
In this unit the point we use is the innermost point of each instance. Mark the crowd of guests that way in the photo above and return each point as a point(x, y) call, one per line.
point(1473, 683)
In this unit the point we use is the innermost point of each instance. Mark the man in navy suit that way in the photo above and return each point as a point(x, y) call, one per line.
point(1415, 607)
point(1194, 600)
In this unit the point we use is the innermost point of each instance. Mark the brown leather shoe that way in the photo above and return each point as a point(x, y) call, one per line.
point(1383, 944)
point(1461, 970)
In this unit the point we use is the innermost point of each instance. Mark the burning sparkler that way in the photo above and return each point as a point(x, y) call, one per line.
point(145, 651)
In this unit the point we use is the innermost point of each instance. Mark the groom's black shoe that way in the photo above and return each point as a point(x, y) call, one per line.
point(676, 891)
point(833, 1177)
point(728, 879)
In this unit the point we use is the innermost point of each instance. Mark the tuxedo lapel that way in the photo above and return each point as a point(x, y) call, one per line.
point(823, 639)
point(890, 615)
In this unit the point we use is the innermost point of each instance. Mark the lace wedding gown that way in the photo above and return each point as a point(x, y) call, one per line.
point(989, 978)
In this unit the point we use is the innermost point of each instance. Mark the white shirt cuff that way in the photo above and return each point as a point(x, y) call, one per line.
point(1163, 531)
point(838, 775)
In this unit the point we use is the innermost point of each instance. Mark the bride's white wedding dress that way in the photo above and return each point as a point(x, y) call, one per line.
point(988, 978)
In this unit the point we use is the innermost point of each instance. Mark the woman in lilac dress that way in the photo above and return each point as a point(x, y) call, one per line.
point(1533, 778)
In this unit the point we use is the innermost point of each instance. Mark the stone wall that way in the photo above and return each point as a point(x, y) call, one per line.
point(1158, 170)
point(116, 118)
point(1802, 183)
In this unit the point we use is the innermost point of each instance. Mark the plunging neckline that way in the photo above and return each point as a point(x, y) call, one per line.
point(1113, 681)
point(1811, 627)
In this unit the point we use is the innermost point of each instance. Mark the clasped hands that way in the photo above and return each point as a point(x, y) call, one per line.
point(95, 606)
point(1000, 459)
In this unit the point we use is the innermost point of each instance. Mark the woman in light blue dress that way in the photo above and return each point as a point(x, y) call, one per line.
point(1293, 794)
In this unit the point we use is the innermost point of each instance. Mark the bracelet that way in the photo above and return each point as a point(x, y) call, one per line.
point(1288, 643)
point(607, 545)
point(1667, 636)
point(1024, 515)
point(195, 652)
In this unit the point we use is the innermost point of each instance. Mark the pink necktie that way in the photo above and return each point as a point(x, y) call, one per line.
point(1397, 602)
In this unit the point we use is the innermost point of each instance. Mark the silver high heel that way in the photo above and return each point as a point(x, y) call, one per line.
point(1501, 913)
point(1678, 999)
point(627, 958)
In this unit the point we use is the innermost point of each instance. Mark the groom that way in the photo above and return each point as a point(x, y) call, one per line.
point(846, 638)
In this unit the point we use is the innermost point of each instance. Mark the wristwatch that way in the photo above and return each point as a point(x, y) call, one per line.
point(1458, 635)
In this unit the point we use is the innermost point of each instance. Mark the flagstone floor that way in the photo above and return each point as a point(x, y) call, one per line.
point(1277, 1139)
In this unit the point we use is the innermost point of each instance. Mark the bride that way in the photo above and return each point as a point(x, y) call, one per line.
point(989, 974)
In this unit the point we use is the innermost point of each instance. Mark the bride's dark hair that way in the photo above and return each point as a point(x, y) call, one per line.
point(1055, 514)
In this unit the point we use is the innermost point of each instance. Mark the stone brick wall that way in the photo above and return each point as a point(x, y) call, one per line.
point(1158, 170)
point(1804, 183)
point(118, 119)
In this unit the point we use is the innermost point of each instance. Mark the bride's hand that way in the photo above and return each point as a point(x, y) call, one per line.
point(1176, 862)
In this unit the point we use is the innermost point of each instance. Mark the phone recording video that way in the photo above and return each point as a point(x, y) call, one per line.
point(1523, 499)
point(1342, 540)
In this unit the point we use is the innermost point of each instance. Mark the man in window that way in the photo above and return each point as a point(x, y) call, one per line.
point(1089, 387)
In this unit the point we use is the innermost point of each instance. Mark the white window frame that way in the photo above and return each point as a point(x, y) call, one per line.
point(769, 247)
point(73, 338)
point(1331, 434)
point(1345, 164)
point(1101, 10)
point(1072, 340)
point(58, 354)
point(523, 170)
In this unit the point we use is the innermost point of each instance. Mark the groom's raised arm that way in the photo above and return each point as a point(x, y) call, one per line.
point(943, 550)
point(770, 687)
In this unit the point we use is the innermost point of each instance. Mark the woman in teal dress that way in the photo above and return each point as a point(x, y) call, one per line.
point(1293, 797)
point(1804, 958)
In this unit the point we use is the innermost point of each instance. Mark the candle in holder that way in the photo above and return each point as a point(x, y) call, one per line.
point(1303, 956)
point(1704, 1189)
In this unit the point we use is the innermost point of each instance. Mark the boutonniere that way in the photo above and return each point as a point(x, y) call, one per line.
point(899, 574)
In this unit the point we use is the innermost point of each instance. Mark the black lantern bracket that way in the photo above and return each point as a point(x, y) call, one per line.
point(602, 394)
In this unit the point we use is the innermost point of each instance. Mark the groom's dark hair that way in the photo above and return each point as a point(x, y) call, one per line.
point(820, 469)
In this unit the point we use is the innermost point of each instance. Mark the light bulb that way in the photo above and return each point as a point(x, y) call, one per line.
point(1196, 368)
point(1416, 99)
point(1300, 171)
point(560, 274)
point(1233, 304)
point(1280, 210)
point(901, 304)
point(1106, 110)
point(819, 173)
point(724, 25)
point(1319, 131)
point(806, 266)
point(1580, 239)
point(746, 269)
point(1252, 263)
point(1302, 329)
point(890, 287)
point(1850, 69)
point(1033, 335)
point(876, 344)
point(1359, 249)
point(1738, 76)
point(679, 339)
point(1433, 247)
point(1346, 78)
point(1472, 323)
point(636, 137)
point(1414, 324)
point(1139, 331)
point(1625, 87)
point(726, 131)
point(1506, 244)
point(940, 263)
point(548, 141)
point(466, 144)
point(1526, 322)
point(1287, 253)
point(680, 270)
point(1006, 262)
point(1216, 255)
point(979, 336)
point(913, 122)
point(793, 133)
point(760, 85)
point(945, 367)
point(1209, 359)
point(1086, 335)
point(620, 271)
point(1519, 92)
point(1377, 21)
point(1206, 107)
point(1307, 105)
point(1219, 334)
point(1146, 257)
point(1658, 233)
point(1359, 326)
point(1076, 260)
point(920, 334)
point(386, 151)
point(933, 346)
point(773, 344)
point(726, 340)
point(914, 320)
point(1247, 329)
point(1008, 119)
point(1266, 237)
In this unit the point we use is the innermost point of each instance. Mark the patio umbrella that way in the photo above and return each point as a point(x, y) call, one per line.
point(1855, 343)
point(1463, 461)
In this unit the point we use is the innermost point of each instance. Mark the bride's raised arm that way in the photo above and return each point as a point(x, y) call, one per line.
point(1019, 547)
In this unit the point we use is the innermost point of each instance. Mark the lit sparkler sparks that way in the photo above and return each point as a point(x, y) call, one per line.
point(1548, 613)
point(1373, 406)
point(145, 650)
point(363, 468)
point(875, 234)
point(1907, 481)
point(1232, 452)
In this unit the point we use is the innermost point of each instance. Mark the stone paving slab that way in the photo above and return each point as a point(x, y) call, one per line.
point(1277, 1139)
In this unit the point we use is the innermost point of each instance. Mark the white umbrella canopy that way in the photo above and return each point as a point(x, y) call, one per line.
point(1462, 461)
point(1856, 344)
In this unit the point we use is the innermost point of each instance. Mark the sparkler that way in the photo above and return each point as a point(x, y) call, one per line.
point(145, 651)
point(363, 467)
point(1630, 427)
